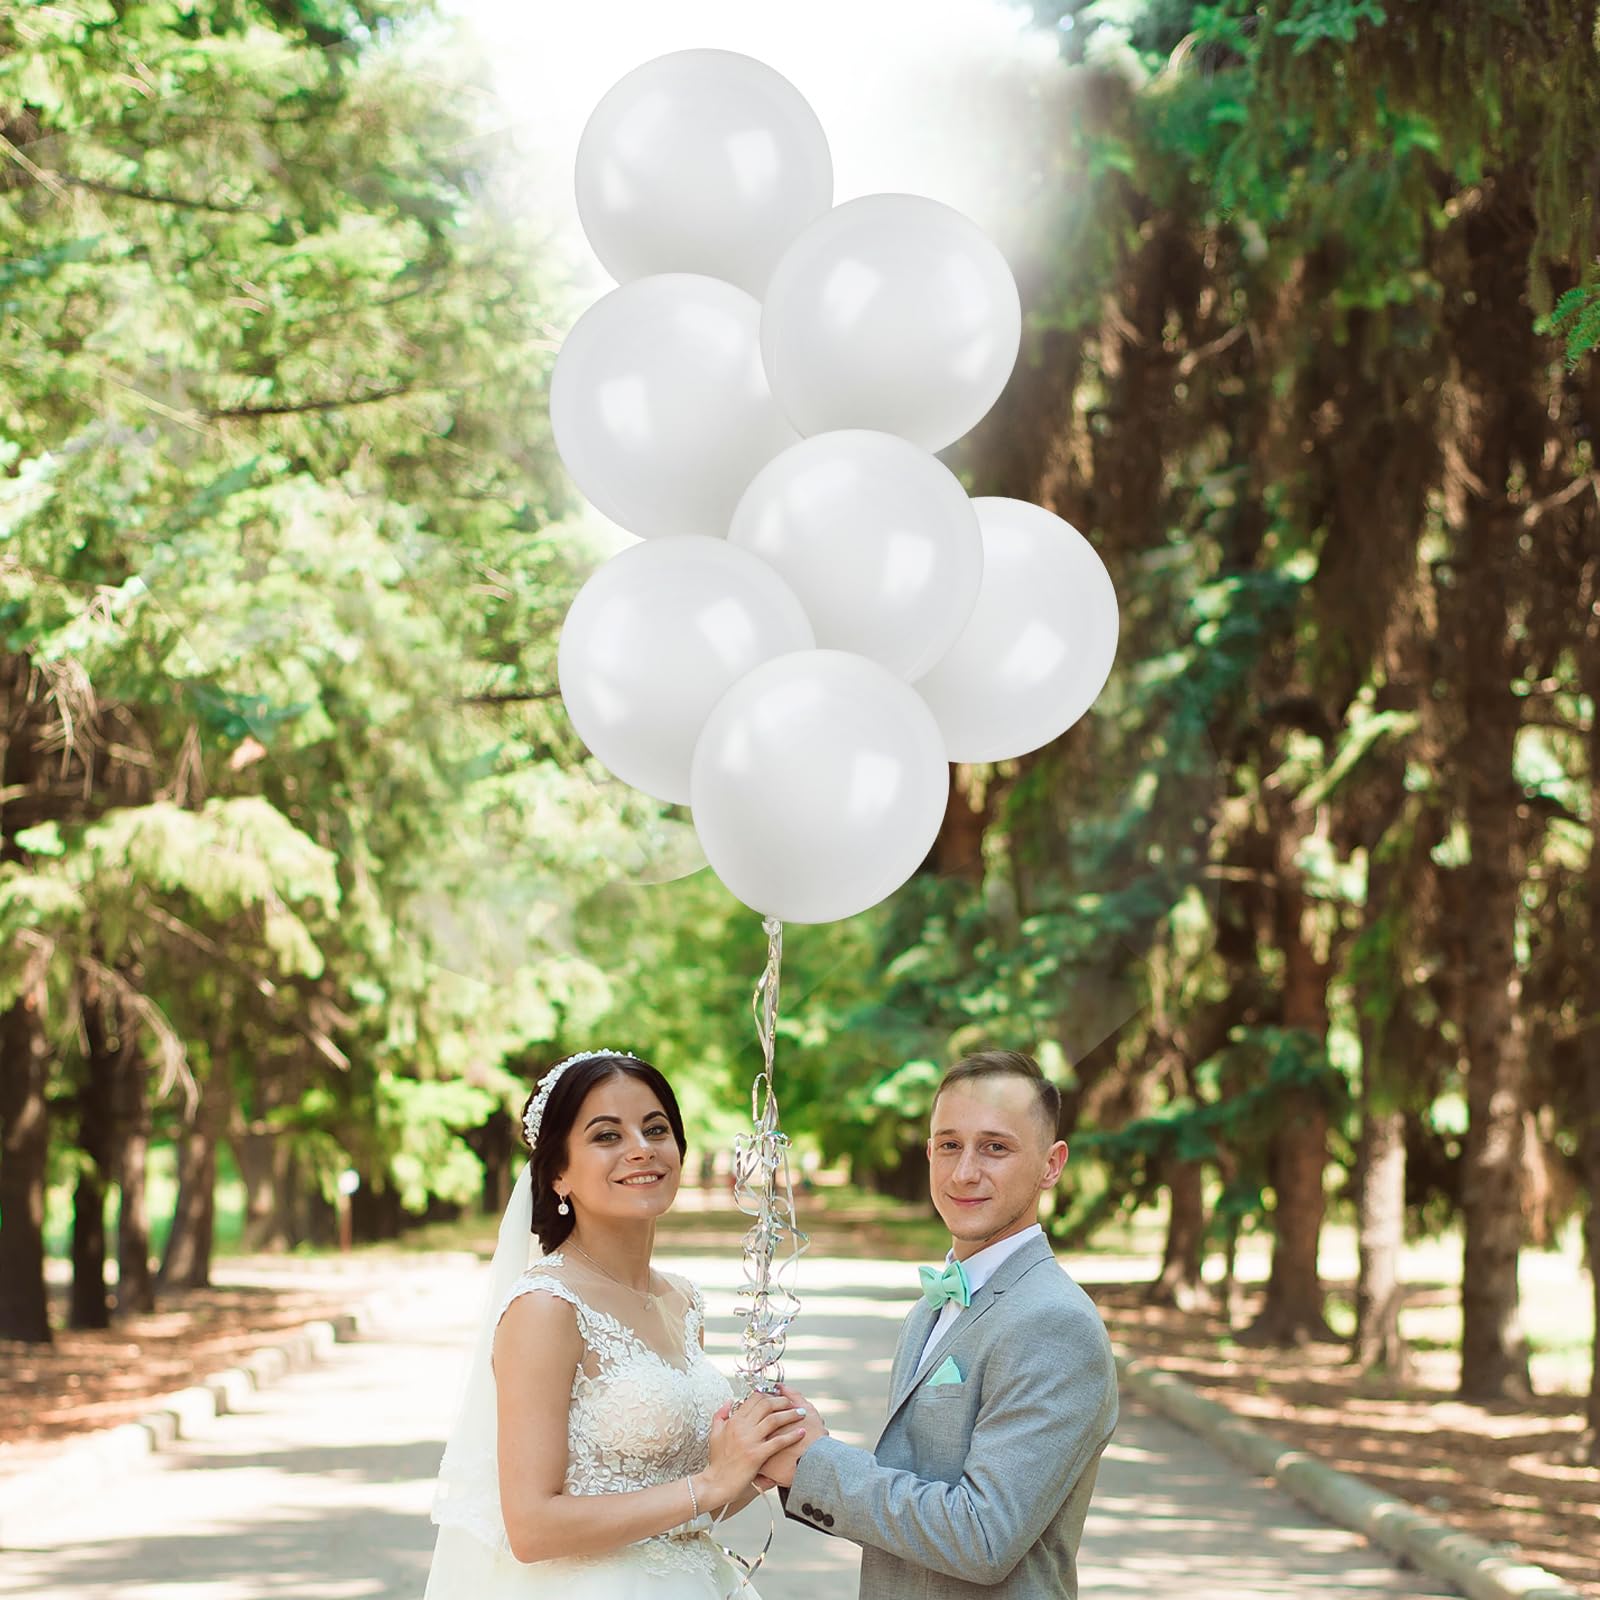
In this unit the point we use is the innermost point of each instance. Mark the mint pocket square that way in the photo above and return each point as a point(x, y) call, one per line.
point(947, 1372)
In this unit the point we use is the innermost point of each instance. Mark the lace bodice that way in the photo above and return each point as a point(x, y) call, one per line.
point(636, 1419)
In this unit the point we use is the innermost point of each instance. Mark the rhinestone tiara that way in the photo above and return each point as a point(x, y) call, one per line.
point(534, 1115)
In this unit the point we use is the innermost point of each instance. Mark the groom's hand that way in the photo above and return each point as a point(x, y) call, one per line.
point(777, 1471)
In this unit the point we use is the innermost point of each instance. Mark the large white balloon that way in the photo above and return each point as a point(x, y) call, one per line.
point(818, 786)
point(1040, 644)
point(701, 161)
point(891, 312)
point(877, 537)
point(652, 642)
point(660, 407)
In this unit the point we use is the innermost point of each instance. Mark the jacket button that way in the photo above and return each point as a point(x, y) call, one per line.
point(827, 1520)
point(808, 1510)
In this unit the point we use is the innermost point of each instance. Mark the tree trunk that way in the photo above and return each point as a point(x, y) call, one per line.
point(263, 1159)
point(958, 848)
point(187, 1261)
point(1591, 1155)
point(492, 1144)
point(90, 1305)
point(1297, 1154)
point(1494, 1351)
point(907, 1181)
point(312, 1216)
point(1380, 1213)
point(97, 1138)
point(1388, 1049)
point(1292, 1313)
point(1589, 1044)
point(24, 1148)
point(375, 1211)
point(136, 1284)
point(1180, 1283)
point(1501, 426)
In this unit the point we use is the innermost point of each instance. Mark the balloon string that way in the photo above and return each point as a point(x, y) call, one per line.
point(747, 1566)
point(764, 1190)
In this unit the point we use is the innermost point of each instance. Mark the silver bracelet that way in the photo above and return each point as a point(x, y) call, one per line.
point(694, 1499)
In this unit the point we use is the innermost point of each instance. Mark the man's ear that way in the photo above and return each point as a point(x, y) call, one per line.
point(1055, 1162)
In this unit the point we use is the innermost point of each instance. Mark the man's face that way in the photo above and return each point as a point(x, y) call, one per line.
point(989, 1159)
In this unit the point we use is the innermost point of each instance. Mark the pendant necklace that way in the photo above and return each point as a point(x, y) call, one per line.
point(646, 1295)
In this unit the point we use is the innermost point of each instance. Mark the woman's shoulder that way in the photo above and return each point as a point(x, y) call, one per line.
point(540, 1319)
point(544, 1284)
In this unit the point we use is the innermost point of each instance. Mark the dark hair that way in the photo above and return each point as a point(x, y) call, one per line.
point(561, 1111)
point(1009, 1064)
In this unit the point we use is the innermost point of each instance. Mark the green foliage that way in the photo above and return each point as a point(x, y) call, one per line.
point(1576, 318)
point(420, 1123)
point(1314, 22)
point(280, 561)
point(275, 496)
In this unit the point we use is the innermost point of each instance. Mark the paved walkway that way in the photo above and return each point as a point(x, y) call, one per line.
point(319, 1490)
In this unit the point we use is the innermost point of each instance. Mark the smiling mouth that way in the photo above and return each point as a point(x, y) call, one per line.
point(964, 1201)
point(643, 1180)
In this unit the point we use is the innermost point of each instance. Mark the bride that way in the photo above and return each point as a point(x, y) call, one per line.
point(594, 1443)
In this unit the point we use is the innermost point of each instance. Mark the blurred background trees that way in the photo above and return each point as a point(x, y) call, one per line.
point(301, 868)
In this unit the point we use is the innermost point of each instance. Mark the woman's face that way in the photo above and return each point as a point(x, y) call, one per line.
point(622, 1159)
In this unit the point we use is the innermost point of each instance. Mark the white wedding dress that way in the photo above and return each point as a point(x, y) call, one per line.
point(641, 1410)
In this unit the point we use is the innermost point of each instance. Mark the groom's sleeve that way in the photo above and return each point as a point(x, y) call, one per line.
point(1049, 1405)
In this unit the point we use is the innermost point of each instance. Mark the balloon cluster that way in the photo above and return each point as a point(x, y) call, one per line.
point(818, 619)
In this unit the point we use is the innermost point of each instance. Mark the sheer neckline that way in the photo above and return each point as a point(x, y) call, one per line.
point(616, 1326)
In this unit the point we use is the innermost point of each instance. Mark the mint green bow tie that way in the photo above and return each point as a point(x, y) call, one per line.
point(950, 1284)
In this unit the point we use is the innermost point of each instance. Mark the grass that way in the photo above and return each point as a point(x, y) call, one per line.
point(161, 1194)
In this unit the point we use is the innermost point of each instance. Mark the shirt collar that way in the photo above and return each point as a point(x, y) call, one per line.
point(988, 1261)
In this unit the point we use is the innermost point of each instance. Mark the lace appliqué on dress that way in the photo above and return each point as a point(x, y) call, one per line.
point(636, 1420)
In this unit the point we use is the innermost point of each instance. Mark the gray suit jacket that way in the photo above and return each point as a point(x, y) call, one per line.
point(978, 1487)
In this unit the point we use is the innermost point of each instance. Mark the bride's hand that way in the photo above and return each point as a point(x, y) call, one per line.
point(743, 1437)
point(777, 1471)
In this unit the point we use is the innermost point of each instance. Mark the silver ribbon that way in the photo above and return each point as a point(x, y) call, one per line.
point(764, 1190)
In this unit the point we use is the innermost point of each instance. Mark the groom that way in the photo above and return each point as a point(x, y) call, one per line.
point(1003, 1393)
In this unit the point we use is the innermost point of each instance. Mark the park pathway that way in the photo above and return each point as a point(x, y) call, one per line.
point(318, 1488)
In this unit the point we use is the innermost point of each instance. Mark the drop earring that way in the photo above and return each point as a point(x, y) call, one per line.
point(563, 1210)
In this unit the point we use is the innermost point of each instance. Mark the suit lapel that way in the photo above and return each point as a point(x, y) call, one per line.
point(917, 1326)
point(913, 1336)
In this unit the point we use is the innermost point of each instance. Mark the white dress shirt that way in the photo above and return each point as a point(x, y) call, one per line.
point(979, 1270)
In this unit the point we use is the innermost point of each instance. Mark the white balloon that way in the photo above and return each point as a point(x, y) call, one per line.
point(701, 161)
point(891, 312)
point(818, 786)
point(652, 642)
point(660, 407)
point(876, 537)
point(1040, 644)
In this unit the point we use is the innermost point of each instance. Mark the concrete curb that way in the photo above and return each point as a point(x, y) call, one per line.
point(85, 1464)
point(1480, 1571)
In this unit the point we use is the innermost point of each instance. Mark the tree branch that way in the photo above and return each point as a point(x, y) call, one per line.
point(39, 175)
point(153, 197)
point(1223, 873)
point(509, 697)
point(263, 985)
point(1207, 351)
point(1535, 718)
point(174, 1057)
point(1540, 509)
point(429, 283)
point(296, 408)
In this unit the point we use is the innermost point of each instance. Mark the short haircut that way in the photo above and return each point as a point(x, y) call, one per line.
point(1009, 1064)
